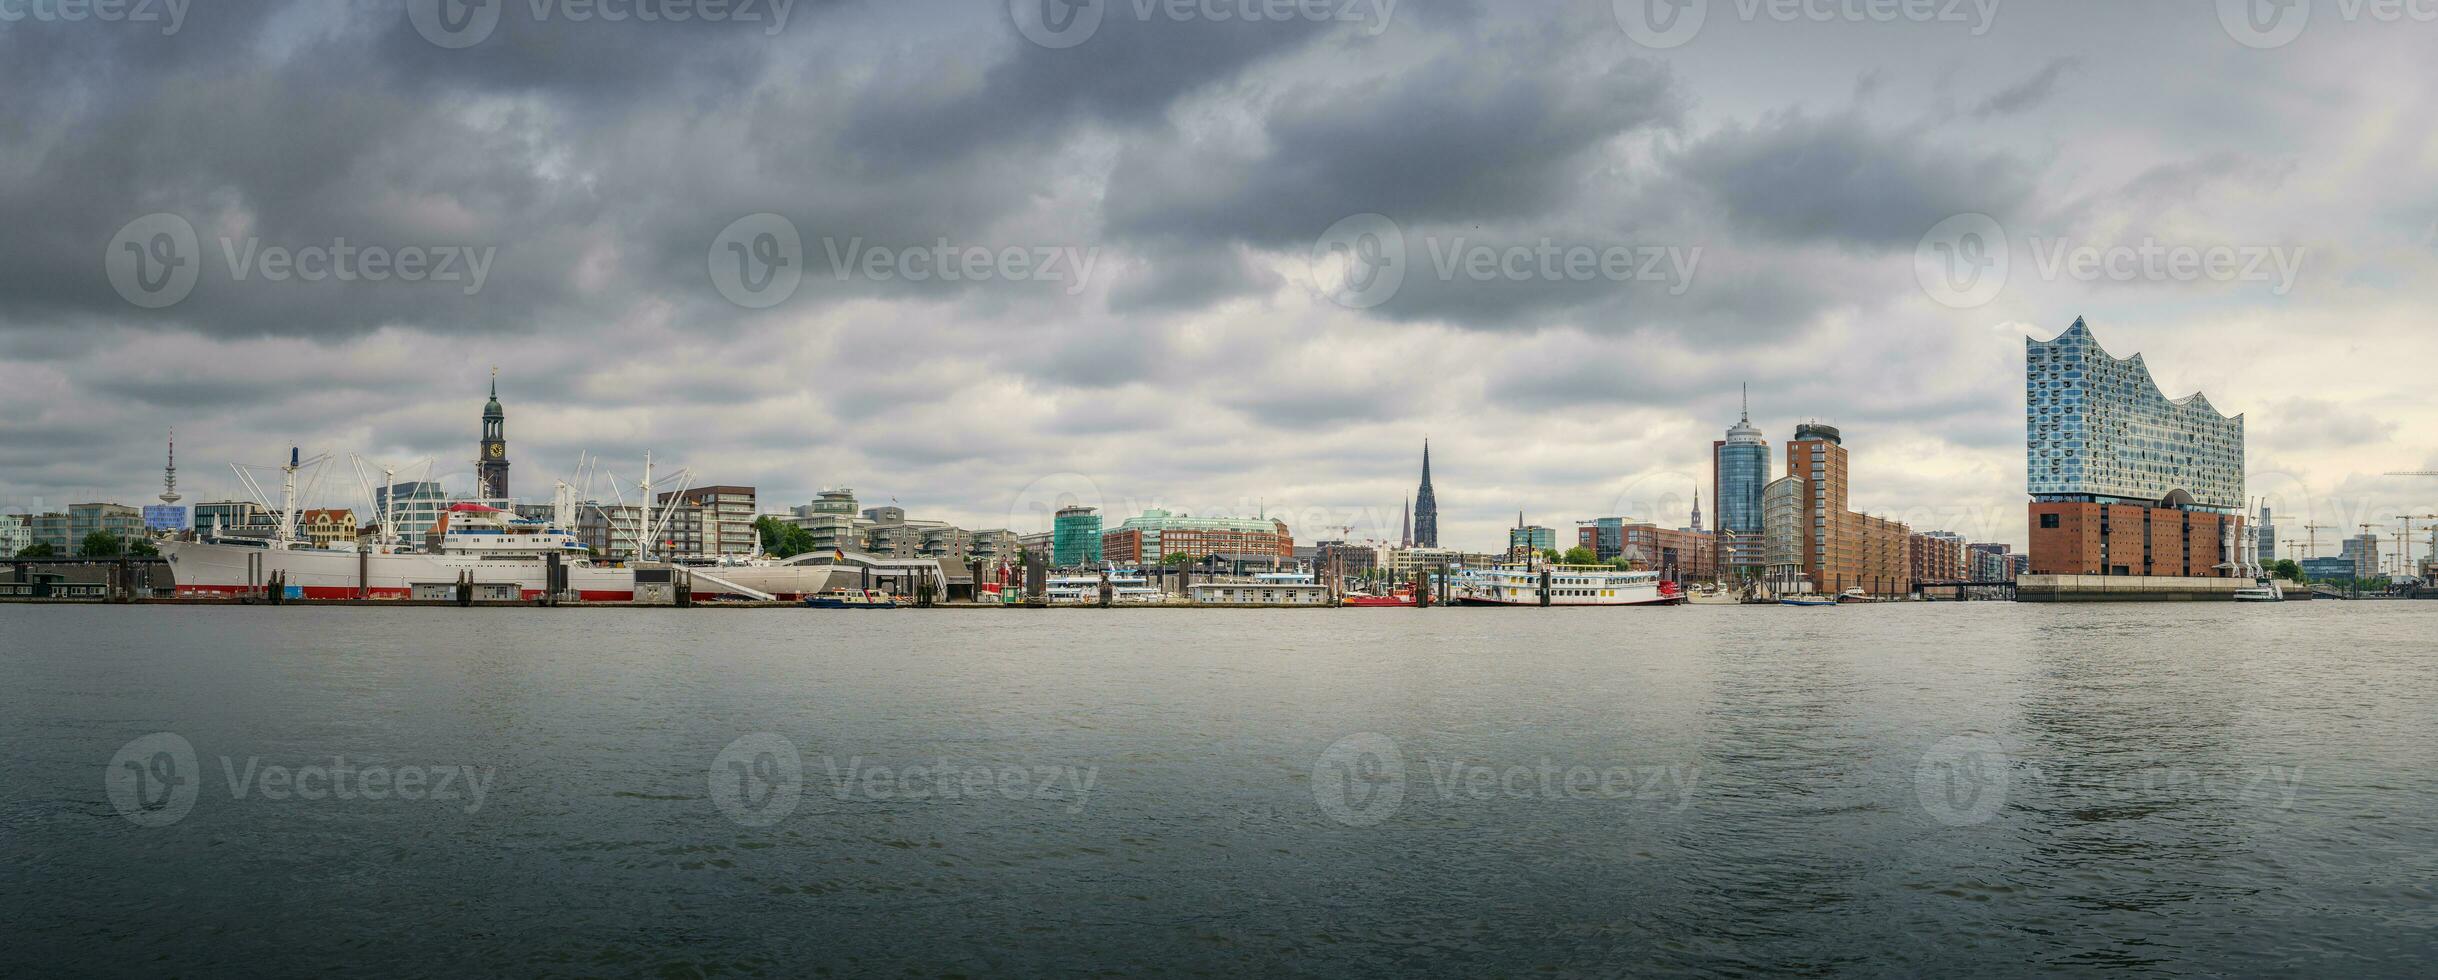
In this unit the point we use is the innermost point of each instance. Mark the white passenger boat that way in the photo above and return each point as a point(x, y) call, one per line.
point(1568, 585)
point(1126, 588)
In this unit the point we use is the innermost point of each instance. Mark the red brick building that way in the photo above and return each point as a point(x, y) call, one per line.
point(2081, 538)
point(1937, 558)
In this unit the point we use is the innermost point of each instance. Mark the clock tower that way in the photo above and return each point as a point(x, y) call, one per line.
point(491, 468)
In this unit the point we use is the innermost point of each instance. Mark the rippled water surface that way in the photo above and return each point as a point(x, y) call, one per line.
point(1976, 789)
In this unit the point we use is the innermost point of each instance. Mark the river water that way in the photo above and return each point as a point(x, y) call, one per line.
point(1921, 789)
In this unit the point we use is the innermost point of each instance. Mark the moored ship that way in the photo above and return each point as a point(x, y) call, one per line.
point(1566, 585)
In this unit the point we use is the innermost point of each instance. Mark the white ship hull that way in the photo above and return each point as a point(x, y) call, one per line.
point(205, 568)
point(1568, 586)
point(200, 568)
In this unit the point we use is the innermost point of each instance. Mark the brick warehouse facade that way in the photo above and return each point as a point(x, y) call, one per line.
point(1936, 558)
point(1157, 534)
point(2078, 538)
point(1841, 549)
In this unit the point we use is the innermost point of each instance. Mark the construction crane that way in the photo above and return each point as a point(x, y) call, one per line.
point(2404, 539)
point(2311, 544)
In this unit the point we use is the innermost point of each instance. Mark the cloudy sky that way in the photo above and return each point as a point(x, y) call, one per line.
point(974, 256)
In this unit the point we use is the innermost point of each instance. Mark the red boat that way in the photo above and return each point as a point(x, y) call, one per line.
point(1402, 597)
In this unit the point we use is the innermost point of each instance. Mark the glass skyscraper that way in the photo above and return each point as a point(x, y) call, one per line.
point(2098, 429)
point(1739, 469)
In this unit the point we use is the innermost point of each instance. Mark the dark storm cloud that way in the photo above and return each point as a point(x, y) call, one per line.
point(1840, 179)
point(1482, 133)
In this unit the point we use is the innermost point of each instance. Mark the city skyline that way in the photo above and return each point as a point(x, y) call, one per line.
point(1206, 362)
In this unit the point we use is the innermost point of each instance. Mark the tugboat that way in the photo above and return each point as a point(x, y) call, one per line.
point(851, 599)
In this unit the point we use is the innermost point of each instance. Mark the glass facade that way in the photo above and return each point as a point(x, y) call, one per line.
point(1782, 530)
point(1739, 469)
point(1075, 538)
point(2098, 429)
point(1533, 537)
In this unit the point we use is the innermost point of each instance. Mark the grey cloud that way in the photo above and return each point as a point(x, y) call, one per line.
point(1840, 179)
point(2028, 93)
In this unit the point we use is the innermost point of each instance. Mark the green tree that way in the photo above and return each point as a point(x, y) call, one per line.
point(143, 548)
point(2288, 570)
point(39, 549)
point(782, 539)
point(1579, 555)
point(1179, 559)
point(100, 544)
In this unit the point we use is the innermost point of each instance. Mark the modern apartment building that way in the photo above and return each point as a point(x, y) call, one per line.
point(727, 518)
point(2123, 479)
point(1783, 533)
point(117, 520)
point(830, 519)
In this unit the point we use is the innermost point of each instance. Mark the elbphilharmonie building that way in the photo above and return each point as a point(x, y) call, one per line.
point(2098, 429)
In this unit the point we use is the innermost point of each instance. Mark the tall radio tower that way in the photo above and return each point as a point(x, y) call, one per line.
point(169, 475)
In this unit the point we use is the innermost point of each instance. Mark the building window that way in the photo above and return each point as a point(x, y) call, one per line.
point(2048, 520)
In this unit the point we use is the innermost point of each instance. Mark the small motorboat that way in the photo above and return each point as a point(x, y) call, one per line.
point(1401, 597)
point(2266, 590)
point(1792, 600)
point(1856, 595)
point(851, 599)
